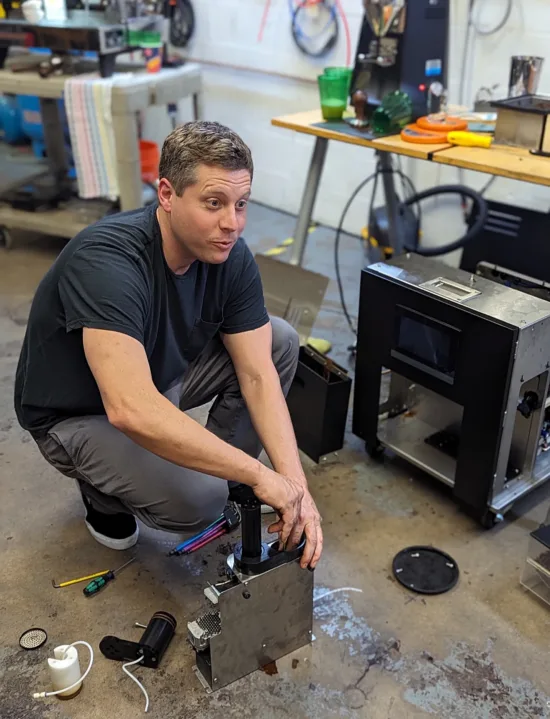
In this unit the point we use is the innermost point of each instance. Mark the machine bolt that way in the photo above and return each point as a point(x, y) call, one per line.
point(215, 680)
point(264, 646)
point(246, 594)
point(499, 518)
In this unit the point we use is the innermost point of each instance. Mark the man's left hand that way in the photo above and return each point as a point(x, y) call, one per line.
point(309, 523)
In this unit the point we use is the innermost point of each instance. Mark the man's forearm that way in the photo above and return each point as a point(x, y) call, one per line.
point(157, 425)
point(271, 420)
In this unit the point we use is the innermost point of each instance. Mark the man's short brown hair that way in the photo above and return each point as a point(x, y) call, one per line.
point(201, 143)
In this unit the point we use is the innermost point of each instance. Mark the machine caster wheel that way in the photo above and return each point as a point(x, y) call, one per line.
point(376, 452)
point(489, 520)
point(6, 240)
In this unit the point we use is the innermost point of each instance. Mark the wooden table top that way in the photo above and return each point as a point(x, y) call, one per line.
point(513, 162)
point(304, 122)
point(394, 143)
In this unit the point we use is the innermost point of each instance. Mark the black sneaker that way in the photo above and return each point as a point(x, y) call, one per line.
point(116, 531)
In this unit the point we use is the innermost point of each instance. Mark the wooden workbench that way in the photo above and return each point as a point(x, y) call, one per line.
point(306, 123)
point(512, 162)
point(137, 91)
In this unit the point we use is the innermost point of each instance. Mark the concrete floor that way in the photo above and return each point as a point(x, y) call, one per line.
point(478, 652)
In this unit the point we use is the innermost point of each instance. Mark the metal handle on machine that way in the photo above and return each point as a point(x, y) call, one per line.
point(251, 520)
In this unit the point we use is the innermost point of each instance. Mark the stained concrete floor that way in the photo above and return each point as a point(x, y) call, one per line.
point(478, 652)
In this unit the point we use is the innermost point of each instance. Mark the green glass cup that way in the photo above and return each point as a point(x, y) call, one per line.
point(333, 92)
point(338, 72)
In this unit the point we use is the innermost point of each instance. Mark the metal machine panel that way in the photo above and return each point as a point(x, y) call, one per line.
point(258, 620)
point(513, 239)
point(493, 301)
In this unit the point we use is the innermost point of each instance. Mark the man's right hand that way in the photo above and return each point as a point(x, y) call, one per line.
point(285, 496)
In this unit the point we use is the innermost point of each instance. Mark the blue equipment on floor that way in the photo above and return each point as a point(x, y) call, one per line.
point(29, 107)
point(11, 128)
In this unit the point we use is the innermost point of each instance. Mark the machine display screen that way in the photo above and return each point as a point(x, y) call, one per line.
point(429, 343)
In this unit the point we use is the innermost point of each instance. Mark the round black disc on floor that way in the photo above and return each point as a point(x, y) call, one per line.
point(425, 570)
point(33, 638)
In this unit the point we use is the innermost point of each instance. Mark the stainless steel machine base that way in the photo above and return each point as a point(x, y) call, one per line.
point(253, 621)
point(427, 415)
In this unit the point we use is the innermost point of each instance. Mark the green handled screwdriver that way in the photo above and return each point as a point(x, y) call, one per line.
point(99, 582)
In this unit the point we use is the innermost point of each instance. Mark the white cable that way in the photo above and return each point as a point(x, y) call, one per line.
point(498, 26)
point(133, 678)
point(42, 695)
point(333, 591)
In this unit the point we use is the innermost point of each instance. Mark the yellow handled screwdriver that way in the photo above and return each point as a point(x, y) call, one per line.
point(96, 584)
point(80, 579)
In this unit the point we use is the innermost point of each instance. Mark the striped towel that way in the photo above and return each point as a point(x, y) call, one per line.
point(88, 108)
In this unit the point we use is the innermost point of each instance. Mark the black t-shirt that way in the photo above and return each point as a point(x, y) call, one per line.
point(113, 276)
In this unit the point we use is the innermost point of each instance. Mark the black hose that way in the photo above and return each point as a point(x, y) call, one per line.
point(182, 23)
point(477, 226)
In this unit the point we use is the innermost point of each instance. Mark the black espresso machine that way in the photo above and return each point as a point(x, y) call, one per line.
point(467, 400)
point(403, 45)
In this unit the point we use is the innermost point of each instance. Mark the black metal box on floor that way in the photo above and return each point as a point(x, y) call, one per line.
point(318, 403)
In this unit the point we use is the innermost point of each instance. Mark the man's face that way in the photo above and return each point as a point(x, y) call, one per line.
point(210, 216)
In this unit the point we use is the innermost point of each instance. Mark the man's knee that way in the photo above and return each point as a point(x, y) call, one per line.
point(185, 511)
point(286, 346)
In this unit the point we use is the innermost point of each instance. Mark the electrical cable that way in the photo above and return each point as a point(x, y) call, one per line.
point(363, 184)
point(378, 172)
point(375, 176)
point(498, 26)
point(299, 36)
point(136, 680)
point(42, 695)
point(465, 54)
point(335, 591)
point(415, 199)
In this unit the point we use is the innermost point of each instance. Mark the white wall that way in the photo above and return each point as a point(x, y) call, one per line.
point(227, 32)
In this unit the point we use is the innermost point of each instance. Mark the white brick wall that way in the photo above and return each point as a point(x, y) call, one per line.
point(227, 32)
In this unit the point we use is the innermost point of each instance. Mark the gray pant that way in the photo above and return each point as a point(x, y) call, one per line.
point(117, 475)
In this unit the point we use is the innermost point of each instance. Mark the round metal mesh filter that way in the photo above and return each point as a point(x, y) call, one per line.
point(33, 638)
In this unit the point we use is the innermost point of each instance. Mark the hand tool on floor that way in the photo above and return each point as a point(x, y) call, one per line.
point(79, 579)
point(99, 582)
point(260, 612)
point(223, 525)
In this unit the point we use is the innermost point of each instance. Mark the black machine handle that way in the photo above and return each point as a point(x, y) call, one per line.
point(251, 520)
